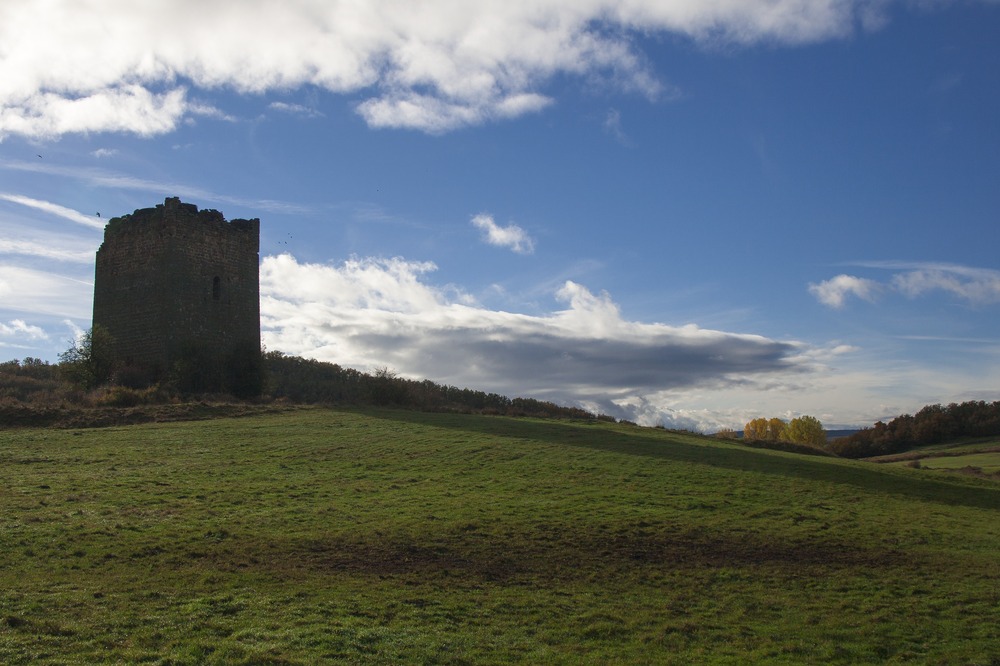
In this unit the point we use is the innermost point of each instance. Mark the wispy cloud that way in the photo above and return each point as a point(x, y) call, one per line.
point(977, 286)
point(952, 338)
point(430, 65)
point(295, 109)
point(511, 236)
point(110, 179)
point(980, 286)
point(613, 126)
point(49, 293)
point(56, 251)
point(208, 111)
point(835, 291)
point(55, 209)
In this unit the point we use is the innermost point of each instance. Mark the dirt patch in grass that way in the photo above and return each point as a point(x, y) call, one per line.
point(556, 553)
point(970, 470)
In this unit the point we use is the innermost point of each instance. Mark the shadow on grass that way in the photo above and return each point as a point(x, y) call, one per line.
point(660, 444)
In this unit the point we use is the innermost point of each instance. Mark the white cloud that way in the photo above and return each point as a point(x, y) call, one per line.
point(374, 312)
point(435, 115)
point(833, 292)
point(17, 328)
point(122, 66)
point(978, 286)
point(128, 108)
point(511, 236)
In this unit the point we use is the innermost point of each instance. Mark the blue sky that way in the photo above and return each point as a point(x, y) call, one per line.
point(681, 213)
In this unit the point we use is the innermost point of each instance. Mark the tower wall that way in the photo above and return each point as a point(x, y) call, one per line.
point(172, 279)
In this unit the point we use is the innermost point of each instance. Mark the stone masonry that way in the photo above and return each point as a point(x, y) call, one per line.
point(173, 281)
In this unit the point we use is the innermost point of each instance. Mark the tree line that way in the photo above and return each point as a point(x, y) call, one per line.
point(85, 378)
point(934, 424)
point(307, 381)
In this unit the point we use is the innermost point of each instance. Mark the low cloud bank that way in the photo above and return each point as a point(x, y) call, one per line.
point(368, 313)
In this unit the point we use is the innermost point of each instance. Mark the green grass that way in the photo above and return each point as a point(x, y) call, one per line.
point(978, 456)
point(396, 537)
point(988, 463)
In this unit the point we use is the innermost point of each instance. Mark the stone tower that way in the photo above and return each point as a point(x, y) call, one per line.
point(178, 287)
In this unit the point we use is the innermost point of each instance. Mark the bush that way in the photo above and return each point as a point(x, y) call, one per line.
point(123, 396)
point(88, 362)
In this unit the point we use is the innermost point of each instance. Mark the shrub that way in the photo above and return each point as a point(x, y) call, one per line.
point(124, 396)
point(89, 361)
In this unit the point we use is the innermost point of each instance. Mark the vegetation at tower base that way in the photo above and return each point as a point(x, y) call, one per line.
point(89, 362)
point(177, 290)
point(34, 392)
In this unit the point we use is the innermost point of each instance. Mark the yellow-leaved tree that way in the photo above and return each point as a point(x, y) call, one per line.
point(806, 430)
point(801, 430)
point(756, 429)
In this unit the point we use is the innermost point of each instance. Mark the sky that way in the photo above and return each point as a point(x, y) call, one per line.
point(683, 214)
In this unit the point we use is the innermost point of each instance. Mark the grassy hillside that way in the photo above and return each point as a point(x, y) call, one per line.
point(399, 537)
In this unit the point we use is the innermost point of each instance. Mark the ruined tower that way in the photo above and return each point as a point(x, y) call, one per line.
point(177, 290)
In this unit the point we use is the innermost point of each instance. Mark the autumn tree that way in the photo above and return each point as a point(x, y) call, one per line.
point(756, 429)
point(802, 430)
point(776, 429)
point(806, 430)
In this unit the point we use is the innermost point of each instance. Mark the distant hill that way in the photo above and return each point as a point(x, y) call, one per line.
point(834, 434)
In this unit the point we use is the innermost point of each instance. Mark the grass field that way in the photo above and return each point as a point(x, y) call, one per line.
point(977, 457)
point(320, 536)
point(989, 463)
